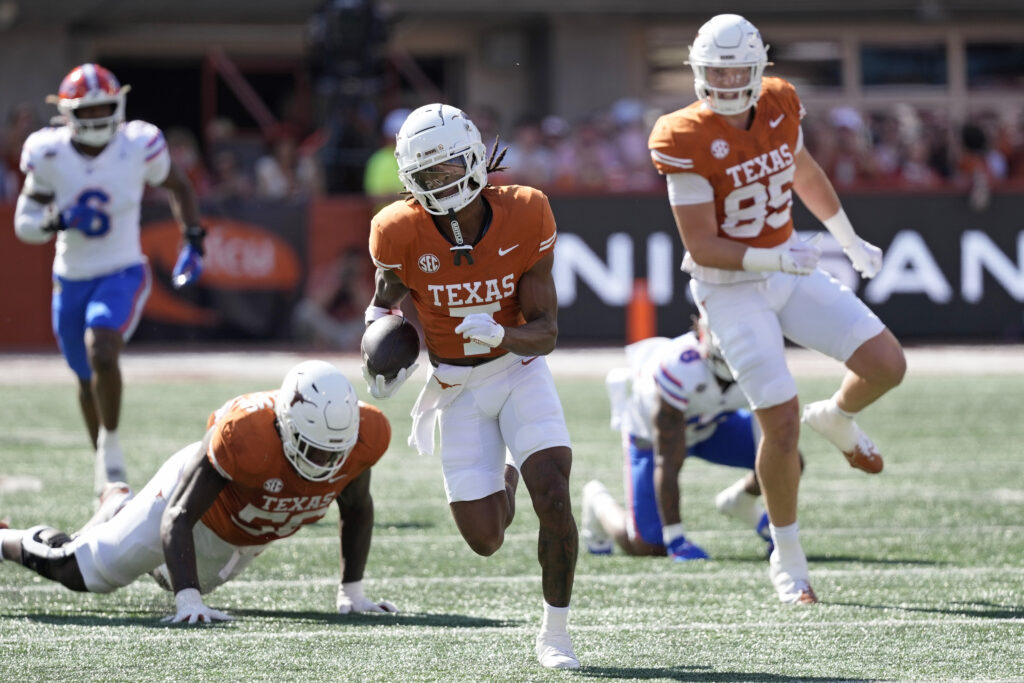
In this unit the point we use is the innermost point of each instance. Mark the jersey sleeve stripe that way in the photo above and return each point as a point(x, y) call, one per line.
point(156, 138)
point(154, 154)
point(213, 461)
point(386, 266)
point(548, 243)
point(671, 392)
point(668, 160)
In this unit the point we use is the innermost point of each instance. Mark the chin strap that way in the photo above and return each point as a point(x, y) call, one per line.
point(460, 247)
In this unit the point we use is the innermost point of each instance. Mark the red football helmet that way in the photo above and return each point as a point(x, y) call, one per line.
point(90, 85)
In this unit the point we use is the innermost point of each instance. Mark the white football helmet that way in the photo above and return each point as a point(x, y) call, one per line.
point(89, 85)
point(728, 40)
point(316, 407)
point(441, 134)
point(710, 352)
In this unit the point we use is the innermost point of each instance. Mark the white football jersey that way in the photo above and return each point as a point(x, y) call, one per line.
point(674, 370)
point(111, 183)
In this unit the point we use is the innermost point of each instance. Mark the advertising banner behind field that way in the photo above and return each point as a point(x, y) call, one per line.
point(949, 273)
point(252, 273)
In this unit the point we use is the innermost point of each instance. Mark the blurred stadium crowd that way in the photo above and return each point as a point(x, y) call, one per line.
point(900, 148)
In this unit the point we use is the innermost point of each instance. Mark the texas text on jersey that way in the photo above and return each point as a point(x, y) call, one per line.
point(266, 498)
point(750, 171)
point(405, 240)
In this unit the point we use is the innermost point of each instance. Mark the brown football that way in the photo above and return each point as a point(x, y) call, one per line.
point(390, 344)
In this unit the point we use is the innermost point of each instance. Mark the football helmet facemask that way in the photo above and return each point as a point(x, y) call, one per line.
point(90, 85)
point(441, 158)
point(710, 352)
point(727, 41)
point(317, 408)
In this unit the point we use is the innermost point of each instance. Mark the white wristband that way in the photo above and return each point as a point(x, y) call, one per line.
point(374, 313)
point(187, 598)
point(671, 532)
point(841, 228)
point(755, 259)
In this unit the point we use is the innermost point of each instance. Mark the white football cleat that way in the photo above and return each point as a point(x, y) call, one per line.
point(859, 450)
point(791, 582)
point(595, 538)
point(555, 651)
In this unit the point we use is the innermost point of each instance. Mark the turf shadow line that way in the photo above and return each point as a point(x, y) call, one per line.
point(376, 619)
point(1000, 611)
point(859, 559)
point(697, 673)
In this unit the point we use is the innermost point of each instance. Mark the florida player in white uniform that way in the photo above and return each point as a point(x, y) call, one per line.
point(476, 260)
point(676, 399)
point(270, 463)
point(84, 182)
point(732, 161)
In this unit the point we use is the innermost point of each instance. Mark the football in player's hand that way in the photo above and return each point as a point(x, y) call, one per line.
point(389, 344)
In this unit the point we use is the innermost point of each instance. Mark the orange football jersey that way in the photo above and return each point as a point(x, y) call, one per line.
point(265, 498)
point(404, 239)
point(750, 171)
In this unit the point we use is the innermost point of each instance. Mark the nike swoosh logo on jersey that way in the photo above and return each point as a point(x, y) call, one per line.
point(775, 122)
point(529, 360)
point(502, 252)
point(337, 478)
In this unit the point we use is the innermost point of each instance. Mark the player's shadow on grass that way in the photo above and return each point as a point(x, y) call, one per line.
point(692, 673)
point(860, 559)
point(974, 610)
point(831, 559)
point(95, 618)
point(115, 618)
point(378, 619)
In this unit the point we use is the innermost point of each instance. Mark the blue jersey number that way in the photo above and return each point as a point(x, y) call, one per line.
point(88, 215)
point(689, 356)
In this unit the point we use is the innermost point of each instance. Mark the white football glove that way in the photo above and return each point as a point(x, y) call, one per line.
point(192, 609)
point(801, 258)
point(382, 388)
point(351, 599)
point(480, 327)
point(865, 257)
point(796, 258)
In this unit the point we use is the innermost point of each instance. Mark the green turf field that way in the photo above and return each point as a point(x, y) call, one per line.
point(920, 570)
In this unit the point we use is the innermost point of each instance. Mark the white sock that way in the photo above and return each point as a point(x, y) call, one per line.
point(109, 459)
point(840, 411)
point(556, 619)
point(787, 544)
point(736, 502)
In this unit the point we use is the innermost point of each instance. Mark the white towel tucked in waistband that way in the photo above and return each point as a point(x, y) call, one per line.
point(443, 385)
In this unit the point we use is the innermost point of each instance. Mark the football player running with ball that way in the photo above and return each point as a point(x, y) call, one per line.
point(270, 462)
point(84, 182)
point(732, 161)
point(477, 261)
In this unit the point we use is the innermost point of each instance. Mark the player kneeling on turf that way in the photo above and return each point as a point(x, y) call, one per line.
point(676, 400)
point(270, 462)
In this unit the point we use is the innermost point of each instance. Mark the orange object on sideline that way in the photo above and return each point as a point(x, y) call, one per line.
point(641, 316)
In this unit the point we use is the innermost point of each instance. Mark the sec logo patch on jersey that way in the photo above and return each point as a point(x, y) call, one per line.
point(719, 149)
point(429, 263)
